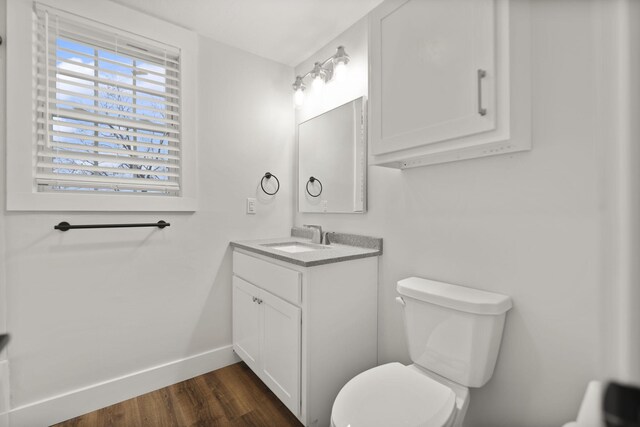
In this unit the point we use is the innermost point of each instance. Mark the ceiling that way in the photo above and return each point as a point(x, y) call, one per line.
point(286, 31)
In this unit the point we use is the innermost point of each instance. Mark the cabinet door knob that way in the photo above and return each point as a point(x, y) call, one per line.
point(481, 74)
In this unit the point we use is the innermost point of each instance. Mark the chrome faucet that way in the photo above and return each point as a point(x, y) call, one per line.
point(325, 239)
point(317, 233)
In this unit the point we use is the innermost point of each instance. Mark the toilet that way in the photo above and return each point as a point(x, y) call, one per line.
point(453, 333)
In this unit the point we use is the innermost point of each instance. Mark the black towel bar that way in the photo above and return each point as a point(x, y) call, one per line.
point(64, 226)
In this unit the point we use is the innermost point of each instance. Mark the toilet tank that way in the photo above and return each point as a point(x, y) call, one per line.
point(453, 330)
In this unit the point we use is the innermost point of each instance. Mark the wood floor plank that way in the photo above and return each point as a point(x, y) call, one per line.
point(234, 390)
point(87, 420)
point(196, 405)
point(245, 388)
point(121, 414)
point(229, 397)
point(157, 409)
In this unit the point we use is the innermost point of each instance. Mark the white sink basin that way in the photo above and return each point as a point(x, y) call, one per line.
point(294, 247)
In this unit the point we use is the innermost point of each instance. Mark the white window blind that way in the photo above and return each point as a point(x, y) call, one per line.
point(107, 109)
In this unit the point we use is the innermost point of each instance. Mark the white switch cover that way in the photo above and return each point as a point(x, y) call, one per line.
point(251, 205)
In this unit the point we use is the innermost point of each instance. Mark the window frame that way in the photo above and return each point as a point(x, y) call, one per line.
point(22, 191)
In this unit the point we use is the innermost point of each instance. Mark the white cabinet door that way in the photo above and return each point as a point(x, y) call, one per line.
point(281, 350)
point(246, 322)
point(267, 336)
point(432, 72)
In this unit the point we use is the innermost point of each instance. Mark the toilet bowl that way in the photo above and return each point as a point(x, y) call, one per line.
point(397, 395)
point(454, 335)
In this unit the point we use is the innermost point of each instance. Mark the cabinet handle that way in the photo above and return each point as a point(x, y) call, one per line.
point(259, 301)
point(254, 299)
point(481, 74)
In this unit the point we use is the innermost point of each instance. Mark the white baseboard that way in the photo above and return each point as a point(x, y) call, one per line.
point(87, 399)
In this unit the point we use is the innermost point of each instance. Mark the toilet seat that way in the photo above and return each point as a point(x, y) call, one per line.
point(393, 395)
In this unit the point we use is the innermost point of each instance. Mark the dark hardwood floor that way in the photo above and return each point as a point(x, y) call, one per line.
point(231, 396)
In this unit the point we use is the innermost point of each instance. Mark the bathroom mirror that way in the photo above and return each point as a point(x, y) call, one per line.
point(332, 160)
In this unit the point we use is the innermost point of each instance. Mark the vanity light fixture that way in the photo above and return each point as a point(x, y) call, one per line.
point(322, 72)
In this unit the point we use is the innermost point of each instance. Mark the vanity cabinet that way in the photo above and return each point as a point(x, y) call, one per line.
point(440, 81)
point(305, 331)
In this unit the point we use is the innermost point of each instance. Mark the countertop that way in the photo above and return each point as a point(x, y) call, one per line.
point(329, 254)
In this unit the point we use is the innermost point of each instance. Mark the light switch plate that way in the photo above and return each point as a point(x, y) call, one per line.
point(251, 205)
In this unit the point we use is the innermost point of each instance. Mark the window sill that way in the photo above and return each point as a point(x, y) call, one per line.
point(98, 202)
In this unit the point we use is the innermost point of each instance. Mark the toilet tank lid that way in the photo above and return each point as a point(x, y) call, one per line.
point(456, 297)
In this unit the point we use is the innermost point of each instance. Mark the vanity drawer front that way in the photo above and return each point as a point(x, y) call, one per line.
point(273, 278)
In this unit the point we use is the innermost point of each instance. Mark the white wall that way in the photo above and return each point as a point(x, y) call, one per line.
point(620, 103)
point(92, 305)
point(630, 321)
point(528, 225)
point(4, 366)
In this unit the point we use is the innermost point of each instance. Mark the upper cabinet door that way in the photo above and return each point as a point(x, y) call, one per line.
point(433, 72)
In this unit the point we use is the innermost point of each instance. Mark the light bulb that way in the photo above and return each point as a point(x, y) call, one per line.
point(298, 94)
point(340, 71)
point(318, 82)
point(317, 75)
point(298, 97)
point(340, 61)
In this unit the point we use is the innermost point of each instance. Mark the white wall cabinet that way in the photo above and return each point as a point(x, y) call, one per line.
point(440, 81)
point(305, 331)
